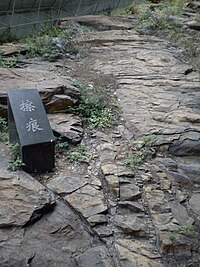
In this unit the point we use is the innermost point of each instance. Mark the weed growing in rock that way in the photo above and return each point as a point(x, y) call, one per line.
point(186, 193)
point(3, 130)
point(12, 63)
point(61, 146)
point(54, 43)
point(188, 229)
point(144, 151)
point(78, 154)
point(93, 109)
point(15, 162)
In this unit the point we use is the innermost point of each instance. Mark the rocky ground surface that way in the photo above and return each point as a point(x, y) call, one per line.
point(101, 213)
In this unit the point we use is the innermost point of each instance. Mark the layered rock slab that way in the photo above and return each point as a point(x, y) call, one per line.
point(57, 92)
point(22, 199)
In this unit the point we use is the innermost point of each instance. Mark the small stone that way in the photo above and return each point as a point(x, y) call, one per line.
point(130, 259)
point(102, 230)
point(180, 196)
point(157, 201)
point(97, 219)
point(129, 192)
point(109, 169)
point(113, 184)
point(194, 25)
point(131, 224)
point(132, 205)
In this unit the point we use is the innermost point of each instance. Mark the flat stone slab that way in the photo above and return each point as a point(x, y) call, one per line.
point(22, 199)
point(100, 22)
point(87, 200)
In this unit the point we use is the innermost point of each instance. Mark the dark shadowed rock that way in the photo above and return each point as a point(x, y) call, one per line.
point(194, 25)
point(68, 126)
point(97, 256)
point(22, 199)
point(187, 145)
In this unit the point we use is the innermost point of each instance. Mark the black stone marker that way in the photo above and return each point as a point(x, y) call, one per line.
point(28, 126)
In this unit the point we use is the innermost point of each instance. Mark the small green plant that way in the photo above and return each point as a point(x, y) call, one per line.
point(15, 162)
point(197, 17)
point(93, 108)
point(188, 229)
point(145, 151)
point(133, 160)
point(186, 193)
point(61, 145)
point(53, 43)
point(78, 154)
point(3, 130)
point(173, 236)
point(9, 63)
point(149, 140)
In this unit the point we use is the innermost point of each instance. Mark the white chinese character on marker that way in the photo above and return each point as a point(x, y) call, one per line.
point(27, 106)
point(33, 126)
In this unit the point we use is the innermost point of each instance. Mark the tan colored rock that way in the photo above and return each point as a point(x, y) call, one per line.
point(68, 126)
point(129, 192)
point(113, 184)
point(109, 168)
point(66, 184)
point(87, 200)
point(60, 103)
point(22, 199)
point(157, 201)
point(165, 222)
point(140, 246)
point(174, 243)
point(128, 258)
point(131, 224)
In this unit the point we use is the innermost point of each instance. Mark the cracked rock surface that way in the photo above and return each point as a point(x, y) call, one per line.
point(102, 213)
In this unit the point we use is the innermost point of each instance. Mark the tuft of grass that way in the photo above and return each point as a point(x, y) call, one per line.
point(93, 108)
point(61, 146)
point(3, 130)
point(145, 152)
point(188, 229)
point(15, 162)
point(11, 63)
point(54, 43)
point(77, 155)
